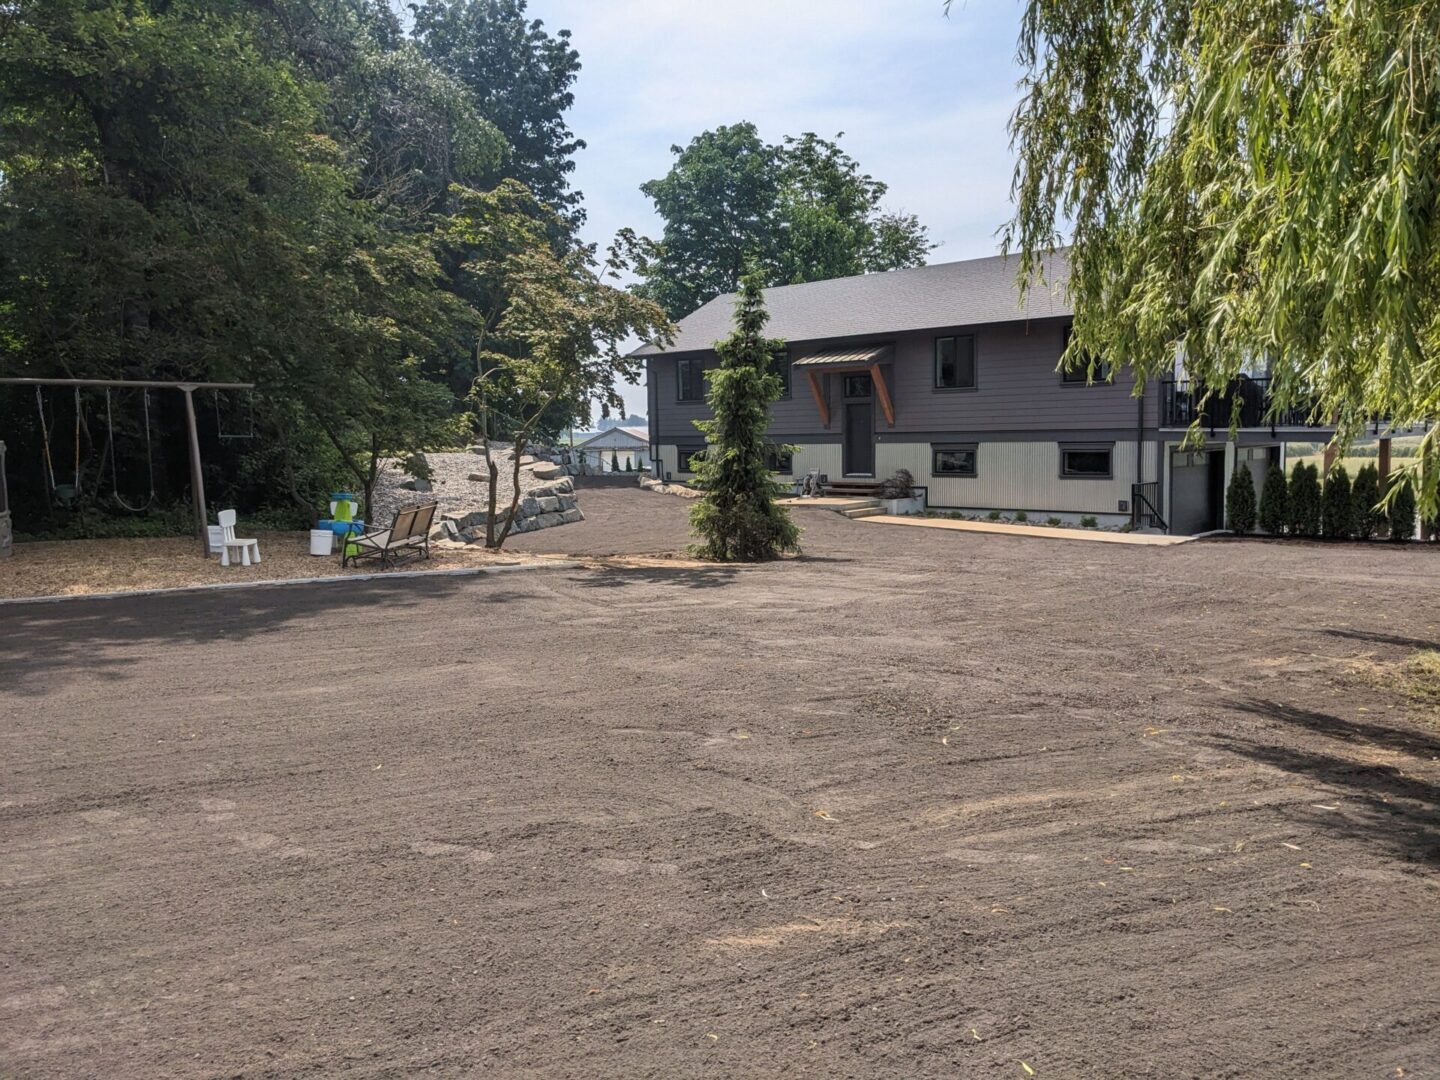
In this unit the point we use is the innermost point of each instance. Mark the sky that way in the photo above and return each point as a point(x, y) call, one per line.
point(923, 99)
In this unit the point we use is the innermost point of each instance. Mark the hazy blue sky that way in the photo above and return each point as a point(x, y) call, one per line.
point(923, 99)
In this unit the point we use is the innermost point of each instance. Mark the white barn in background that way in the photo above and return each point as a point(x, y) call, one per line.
point(627, 447)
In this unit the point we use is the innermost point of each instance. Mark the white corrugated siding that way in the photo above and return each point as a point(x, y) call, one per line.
point(822, 456)
point(1014, 476)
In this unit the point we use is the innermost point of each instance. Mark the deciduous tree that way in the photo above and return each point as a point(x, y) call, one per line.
point(1238, 181)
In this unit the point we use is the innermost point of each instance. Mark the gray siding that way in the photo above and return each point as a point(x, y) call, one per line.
point(1018, 391)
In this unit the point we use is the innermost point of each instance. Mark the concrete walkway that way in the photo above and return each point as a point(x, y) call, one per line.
point(1044, 532)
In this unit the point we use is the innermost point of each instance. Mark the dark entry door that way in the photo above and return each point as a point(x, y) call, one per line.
point(1197, 490)
point(859, 439)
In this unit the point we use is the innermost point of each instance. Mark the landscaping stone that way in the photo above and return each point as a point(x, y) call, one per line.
point(462, 490)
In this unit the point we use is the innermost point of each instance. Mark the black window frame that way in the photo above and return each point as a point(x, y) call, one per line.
point(783, 464)
point(780, 365)
point(1080, 376)
point(697, 366)
point(683, 455)
point(974, 384)
point(1108, 449)
point(973, 449)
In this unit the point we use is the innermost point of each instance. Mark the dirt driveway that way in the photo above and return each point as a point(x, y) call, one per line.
point(919, 804)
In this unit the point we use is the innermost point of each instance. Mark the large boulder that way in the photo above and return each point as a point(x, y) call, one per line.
point(549, 504)
point(547, 470)
point(571, 515)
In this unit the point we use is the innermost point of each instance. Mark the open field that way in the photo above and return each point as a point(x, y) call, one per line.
point(920, 803)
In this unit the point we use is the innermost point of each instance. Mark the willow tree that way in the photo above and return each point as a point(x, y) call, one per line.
point(738, 519)
point(1241, 180)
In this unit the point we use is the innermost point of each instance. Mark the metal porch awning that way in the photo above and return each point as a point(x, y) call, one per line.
point(852, 358)
point(867, 359)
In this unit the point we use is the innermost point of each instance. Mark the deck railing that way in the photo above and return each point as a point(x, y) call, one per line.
point(1249, 398)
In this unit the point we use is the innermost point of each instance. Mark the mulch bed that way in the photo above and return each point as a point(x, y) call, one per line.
point(78, 567)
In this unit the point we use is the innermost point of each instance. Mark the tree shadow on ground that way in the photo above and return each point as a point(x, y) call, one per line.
point(1383, 639)
point(42, 644)
point(1386, 805)
point(618, 577)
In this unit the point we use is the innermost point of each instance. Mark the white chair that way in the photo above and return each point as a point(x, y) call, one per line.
point(231, 541)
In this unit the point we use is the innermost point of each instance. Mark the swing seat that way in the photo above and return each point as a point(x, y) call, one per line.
point(230, 542)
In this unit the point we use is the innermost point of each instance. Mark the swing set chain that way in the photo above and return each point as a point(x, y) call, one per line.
point(45, 438)
point(149, 454)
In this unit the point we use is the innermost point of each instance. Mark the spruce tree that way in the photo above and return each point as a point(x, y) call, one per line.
point(1338, 506)
point(614, 461)
point(1365, 494)
point(737, 518)
point(1402, 510)
point(1274, 502)
point(1240, 501)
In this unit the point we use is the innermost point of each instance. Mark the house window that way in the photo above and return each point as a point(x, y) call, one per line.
point(780, 365)
point(955, 362)
point(1086, 462)
point(1080, 375)
point(689, 382)
point(688, 458)
point(857, 386)
point(952, 459)
point(779, 461)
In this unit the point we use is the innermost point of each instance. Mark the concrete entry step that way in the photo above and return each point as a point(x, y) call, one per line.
point(864, 511)
point(838, 505)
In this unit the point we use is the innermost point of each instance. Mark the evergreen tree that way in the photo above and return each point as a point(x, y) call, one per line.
point(1240, 501)
point(1274, 502)
point(1338, 506)
point(1305, 500)
point(1402, 510)
point(614, 461)
point(1365, 494)
point(737, 519)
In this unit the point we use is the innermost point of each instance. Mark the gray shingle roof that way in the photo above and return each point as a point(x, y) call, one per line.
point(946, 294)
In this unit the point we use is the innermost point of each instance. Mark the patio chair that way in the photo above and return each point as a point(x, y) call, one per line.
point(230, 542)
point(409, 534)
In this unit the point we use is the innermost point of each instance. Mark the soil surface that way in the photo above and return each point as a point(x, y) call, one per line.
point(918, 803)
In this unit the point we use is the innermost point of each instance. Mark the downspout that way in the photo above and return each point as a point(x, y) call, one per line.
point(652, 393)
point(1139, 452)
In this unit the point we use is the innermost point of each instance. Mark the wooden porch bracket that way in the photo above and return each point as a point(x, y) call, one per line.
point(819, 398)
point(886, 405)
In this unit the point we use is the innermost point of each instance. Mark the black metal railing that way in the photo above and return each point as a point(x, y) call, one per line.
point(1183, 402)
point(1144, 506)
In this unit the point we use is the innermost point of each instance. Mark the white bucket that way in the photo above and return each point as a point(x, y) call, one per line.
point(216, 537)
point(322, 542)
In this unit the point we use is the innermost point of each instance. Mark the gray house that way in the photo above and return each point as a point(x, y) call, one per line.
point(939, 370)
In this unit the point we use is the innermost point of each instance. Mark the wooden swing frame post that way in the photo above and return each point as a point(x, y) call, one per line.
point(197, 478)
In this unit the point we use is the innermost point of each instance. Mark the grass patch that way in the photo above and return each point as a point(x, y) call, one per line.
point(1420, 677)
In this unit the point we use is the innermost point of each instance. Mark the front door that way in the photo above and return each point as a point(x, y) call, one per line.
point(859, 415)
point(859, 439)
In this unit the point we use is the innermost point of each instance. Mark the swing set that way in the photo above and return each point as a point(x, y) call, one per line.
point(68, 494)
